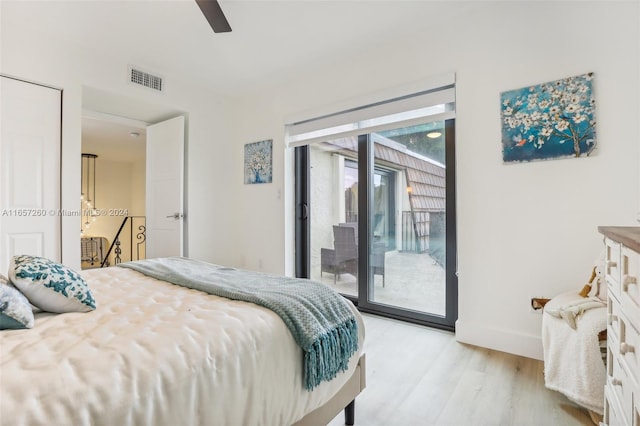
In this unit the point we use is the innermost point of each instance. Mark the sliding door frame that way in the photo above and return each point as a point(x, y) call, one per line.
point(366, 172)
point(303, 224)
point(365, 216)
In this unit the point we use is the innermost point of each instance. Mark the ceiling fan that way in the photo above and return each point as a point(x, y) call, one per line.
point(212, 11)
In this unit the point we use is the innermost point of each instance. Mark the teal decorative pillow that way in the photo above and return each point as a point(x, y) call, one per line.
point(15, 310)
point(50, 286)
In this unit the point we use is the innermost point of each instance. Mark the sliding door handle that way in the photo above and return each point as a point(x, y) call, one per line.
point(304, 211)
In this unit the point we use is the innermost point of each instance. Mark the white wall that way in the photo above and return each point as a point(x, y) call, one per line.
point(44, 59)
point(113, 190)
point(138, 188)
point(523, 230)
point(120, 191)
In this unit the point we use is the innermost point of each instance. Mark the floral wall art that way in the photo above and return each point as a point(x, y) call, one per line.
point(549, 120)
point(258, 167)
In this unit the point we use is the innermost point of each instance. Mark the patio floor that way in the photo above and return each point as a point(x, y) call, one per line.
point(412, 281)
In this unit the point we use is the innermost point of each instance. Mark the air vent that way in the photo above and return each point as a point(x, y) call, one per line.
point(143, 78)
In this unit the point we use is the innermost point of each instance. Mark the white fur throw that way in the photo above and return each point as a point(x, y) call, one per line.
point(572, 359)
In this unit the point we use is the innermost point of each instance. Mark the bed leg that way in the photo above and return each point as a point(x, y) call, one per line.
point(350, 413)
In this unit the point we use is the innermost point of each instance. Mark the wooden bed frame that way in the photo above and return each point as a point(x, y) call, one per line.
point(344, 399)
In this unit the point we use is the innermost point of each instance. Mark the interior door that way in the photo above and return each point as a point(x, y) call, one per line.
point(165, 186)
point(30, 117)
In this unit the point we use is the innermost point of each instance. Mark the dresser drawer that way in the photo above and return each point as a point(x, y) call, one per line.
point(612, 415)
point(621, 385)
point(629, 282)
point(629, 347)
point(613, 319)
point(612, 265)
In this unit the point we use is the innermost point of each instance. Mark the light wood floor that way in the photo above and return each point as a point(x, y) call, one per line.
point(421, 376)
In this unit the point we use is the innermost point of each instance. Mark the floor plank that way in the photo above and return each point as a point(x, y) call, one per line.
point(421, 376)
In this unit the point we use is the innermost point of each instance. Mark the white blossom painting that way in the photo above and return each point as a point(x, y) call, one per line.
point(258, 166)
point(550, 120)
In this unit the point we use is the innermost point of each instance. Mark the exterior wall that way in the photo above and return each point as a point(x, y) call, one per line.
point(323, 195)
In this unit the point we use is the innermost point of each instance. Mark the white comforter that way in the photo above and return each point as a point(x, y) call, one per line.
point(154, 353)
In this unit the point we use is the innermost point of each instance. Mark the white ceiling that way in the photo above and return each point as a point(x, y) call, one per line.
point(112, 141)
point(271, 41)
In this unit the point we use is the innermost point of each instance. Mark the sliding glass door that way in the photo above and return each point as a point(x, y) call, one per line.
point(376, 220)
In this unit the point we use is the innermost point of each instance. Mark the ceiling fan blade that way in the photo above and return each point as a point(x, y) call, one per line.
point(212, 11)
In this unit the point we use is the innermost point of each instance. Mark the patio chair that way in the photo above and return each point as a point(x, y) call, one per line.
point(354, 225)
point(377, 260)
point(379, 251)
point(344, 257)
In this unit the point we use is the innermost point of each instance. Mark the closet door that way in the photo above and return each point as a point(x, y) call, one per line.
point(30, 123)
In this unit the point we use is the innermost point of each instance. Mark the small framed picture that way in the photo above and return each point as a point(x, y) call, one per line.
point(258, 162)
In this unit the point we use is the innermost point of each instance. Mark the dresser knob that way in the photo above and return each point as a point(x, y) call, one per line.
point(616, 382)
point(627, 280)
point(625, 347)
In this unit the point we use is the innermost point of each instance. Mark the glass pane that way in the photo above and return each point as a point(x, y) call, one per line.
point(383, 207)
point(408, 247)
point(334, 213)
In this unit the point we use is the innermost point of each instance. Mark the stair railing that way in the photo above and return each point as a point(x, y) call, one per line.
point(115, 246)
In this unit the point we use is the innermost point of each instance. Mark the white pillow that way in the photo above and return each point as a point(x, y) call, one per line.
point(15, 310)
point(50, 286)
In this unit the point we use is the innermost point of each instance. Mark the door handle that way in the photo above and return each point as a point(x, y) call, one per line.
point(176, 216)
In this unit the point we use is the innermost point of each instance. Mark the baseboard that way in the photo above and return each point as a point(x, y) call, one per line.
point(526, 345)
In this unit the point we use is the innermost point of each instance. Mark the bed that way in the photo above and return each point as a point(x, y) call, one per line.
point(155, 353)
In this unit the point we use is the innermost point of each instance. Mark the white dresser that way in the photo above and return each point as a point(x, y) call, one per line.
point(622, 273)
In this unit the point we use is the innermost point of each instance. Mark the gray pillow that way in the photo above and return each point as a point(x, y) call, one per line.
point(15, 309)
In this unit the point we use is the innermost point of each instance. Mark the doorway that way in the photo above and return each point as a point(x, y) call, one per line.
point(113, 191)
point(163, 131)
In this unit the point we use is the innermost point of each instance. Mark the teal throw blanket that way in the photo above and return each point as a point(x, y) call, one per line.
point(319, 319)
